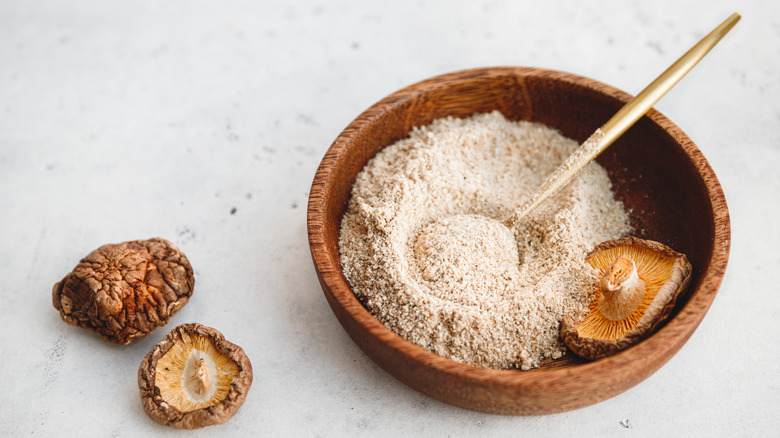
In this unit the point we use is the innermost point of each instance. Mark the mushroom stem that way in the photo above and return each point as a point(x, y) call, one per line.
point(201, 377)
point(621, 289)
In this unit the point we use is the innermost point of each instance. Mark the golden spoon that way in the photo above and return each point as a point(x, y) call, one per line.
point(621, 121)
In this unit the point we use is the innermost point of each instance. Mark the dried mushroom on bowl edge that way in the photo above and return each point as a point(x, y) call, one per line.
point(640, 283)
point(194, 378)
point(125, 291)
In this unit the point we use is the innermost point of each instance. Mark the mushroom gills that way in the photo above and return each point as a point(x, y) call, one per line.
point(652, 268)
point(193, 374)
point(640, 283)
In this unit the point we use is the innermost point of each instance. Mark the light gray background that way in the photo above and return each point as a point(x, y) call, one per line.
point(124, 120)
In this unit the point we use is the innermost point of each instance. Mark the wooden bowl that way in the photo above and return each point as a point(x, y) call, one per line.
point(656, 170)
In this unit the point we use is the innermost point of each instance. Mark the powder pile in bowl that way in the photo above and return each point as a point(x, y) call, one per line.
point(424, 250)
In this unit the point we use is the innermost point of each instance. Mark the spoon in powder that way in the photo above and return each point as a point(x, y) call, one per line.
point(621, 121)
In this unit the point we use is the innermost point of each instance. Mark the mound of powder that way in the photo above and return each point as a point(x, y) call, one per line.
point(424, 250)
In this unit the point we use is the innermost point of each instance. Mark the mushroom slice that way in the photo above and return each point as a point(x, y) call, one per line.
point(194, 378)
point(640, 283)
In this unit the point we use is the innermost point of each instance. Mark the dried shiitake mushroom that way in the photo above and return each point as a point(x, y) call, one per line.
point(125, 291)
point(640, 283)
point(194, 378)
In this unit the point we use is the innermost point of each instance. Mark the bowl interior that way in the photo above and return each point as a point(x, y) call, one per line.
point(655, 169)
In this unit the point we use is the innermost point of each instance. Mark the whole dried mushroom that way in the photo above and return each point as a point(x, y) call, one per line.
point(640, 283)
point(125, 291)
point(194, 378)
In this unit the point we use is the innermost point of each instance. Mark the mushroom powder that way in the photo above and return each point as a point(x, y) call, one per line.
point(424, 249)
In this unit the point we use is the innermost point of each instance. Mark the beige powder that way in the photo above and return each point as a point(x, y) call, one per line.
point(424, 249)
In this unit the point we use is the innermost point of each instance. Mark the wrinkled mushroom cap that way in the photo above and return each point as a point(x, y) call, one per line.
point(194, 378)
point(125, 291)
point(664, 275)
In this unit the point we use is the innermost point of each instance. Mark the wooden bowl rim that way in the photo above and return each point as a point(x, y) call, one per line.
point(666, 342)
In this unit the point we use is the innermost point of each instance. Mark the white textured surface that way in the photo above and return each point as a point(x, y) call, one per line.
point(133, 119)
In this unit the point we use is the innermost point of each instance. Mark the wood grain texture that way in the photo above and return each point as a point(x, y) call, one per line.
point(656, 170)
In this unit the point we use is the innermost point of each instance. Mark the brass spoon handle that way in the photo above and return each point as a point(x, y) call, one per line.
point(622, 120)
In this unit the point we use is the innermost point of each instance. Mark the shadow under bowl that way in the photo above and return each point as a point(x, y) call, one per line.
point(658, 173)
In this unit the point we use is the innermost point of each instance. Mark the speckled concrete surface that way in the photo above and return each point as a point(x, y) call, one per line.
point(203, 122)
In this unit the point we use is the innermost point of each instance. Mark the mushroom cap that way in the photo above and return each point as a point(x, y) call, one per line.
point(233, 369)
point(666, 274)
point(125, 291)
